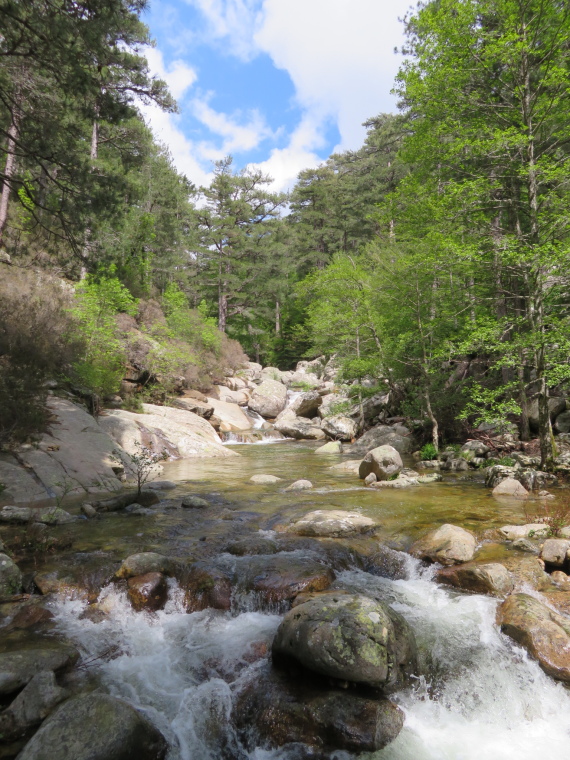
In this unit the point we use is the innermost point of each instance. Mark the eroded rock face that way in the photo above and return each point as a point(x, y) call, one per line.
point(448, 545)
point(383, 461)
point(543, 633)
point(488, 578)
point(283, 711)
point(348, 637)
point(269, 398)
point(96, 727)
point(332, 523)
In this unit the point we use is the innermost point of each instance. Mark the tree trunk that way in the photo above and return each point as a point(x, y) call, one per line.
point(523, 403)
point(222, 310)
point(277, 318)
point(10, 168)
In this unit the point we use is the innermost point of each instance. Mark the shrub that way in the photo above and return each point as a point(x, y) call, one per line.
point(428, 451)
point(36, 344)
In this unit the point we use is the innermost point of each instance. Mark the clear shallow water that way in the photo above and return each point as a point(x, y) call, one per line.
point(478, 697)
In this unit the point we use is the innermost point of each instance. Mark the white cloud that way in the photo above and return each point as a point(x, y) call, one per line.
point(234, 21)
point(178, 75)
point(238, 137)
point(339, 56)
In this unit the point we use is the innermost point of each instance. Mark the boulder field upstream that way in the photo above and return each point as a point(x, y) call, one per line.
point(219, 627)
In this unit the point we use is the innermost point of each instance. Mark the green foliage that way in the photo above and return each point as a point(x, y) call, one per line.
point(101, 365)
point(428, 452)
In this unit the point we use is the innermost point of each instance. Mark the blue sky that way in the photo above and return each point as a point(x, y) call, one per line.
point(276, 83)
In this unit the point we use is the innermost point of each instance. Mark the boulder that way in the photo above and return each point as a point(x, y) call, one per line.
point(264, 480)
point(251, 545)
point(75, 455)
point(163, 428)
point(332, 447)
point(382, 435)
point(269, 398)
point(528, 572)
point(556, 409)
point(555, 550)
point(143, 563)
point(330, 401)
point(300, 485)
point(384, 461)
point(194, 502)
point(201, 408)
point(348, 637)
point(349, 466)
point(231, 416)
point(474, 449)
point(10, 577)
point(305, 380)
point(282, 711)
point(32, 705)
point(25, 515)
point(206, 586)
point(510, 487)
point(497, 473)
point(542, 632)
point(96, 727)
point(562, 423)
point(147, 498)
point(314, 366)
point(306, 404)
point(278, 579)
point(370, 479)
point(448, 545)
point(512, 532)
point(147, 592)
point(340, 427)
point(298, 427)
point(19, 667)
point(490, 578)
point(455, 464)
point(229, 396)
point(332, 523)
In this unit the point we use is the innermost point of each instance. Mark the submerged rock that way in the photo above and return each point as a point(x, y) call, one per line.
point(350, 466)
point(24, 515)
point(348, 637)
point(448, 544)
point(194, 502)
point(332, 523)
point(512, 532)
point(282, 711)
point(383, 461)
point(300, 485)
point(542, 632)
point(332, 447)
point(96, 727)
point(264, 480)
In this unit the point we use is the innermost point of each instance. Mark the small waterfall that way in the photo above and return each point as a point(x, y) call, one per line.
point(256, 418)
point(478, 695)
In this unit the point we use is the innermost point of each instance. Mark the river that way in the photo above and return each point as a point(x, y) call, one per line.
point(478, 696)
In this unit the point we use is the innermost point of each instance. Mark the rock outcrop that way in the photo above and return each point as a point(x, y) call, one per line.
point(448, 545)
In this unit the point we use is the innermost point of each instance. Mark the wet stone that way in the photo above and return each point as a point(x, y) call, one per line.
point(490, 578)
point(194, 502)
point(148, 592)
point(96, 727)
point(143, 563)
point(19, 667)
point(283, 710)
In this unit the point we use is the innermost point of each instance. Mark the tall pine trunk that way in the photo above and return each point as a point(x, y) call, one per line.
point(10, 167)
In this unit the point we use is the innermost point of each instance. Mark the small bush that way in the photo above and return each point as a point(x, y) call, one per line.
point(428, 452)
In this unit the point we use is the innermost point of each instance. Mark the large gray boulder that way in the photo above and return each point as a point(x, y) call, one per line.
point(300, 428)
point(32, 705)
point(304, 380)
point(511, 488)
point(18, 668)
point(542, 632)
point(96, 727)
point(485, 578)
point(143, 563)
point(307, 404)
point(562, 423)
point(340, 428)
point(332, 523)
point(348, 637)
point(556, 407)
point(382, 435)
point(384, 461)
point(269, 398)
point(448, 545)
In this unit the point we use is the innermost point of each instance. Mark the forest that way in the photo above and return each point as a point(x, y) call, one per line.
point(433, 259)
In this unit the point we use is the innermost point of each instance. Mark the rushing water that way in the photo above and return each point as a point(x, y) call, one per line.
point(479, 696)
